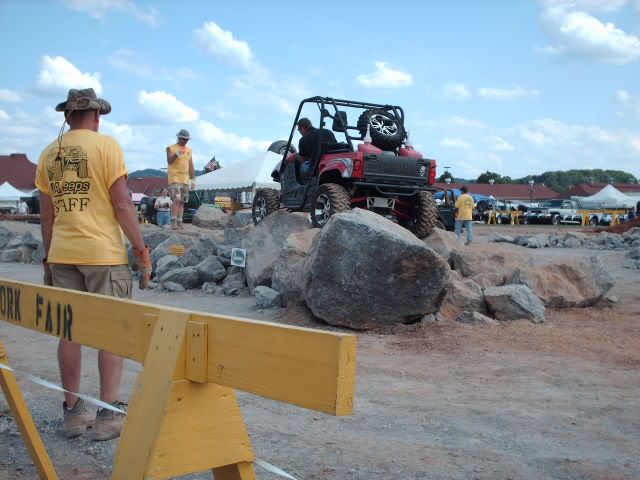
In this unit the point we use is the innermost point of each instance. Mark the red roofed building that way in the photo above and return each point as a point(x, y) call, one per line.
point(18, 170)
point(146, 185)
point(506, 191)
point(588, 189)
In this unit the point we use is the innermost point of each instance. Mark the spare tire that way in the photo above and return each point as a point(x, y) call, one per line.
point(280, 147)
point(386, 130)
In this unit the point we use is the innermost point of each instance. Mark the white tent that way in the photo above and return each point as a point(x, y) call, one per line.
point(610, 197)
point(8, 193)
point(246, 175)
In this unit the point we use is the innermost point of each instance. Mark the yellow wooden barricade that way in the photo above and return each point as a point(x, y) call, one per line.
point(183, 414)
point(514, 214)
point(615, 219)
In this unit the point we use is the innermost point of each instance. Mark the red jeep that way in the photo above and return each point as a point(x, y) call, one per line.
point(382, 173)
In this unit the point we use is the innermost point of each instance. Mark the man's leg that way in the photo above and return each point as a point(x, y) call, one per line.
point(469, 228)
point(110, 368)
point(458, 228)
point(70, 363)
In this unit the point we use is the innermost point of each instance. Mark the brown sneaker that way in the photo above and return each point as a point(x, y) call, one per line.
point(108, 423)
point(174, 224)
point(76, 419)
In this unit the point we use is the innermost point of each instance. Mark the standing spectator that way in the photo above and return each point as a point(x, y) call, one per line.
point(22, 207)
point(82, 235)
point(181, 176)
point(465, 206)
point(163, 206)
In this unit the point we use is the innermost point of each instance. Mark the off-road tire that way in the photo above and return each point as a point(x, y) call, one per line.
point(335, 198)
point(424, 215)
point(440, 225)
point(593, 221)
point(386, 130)
point(280, 147)
point(555, 219)
point(265, 202)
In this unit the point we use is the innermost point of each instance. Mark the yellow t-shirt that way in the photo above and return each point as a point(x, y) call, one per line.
point(464, 204)
point(85, 229)
point(178, 171)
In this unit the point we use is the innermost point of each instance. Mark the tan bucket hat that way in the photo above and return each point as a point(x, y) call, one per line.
point(85, 99)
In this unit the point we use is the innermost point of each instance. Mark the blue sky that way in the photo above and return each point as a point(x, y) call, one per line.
point(517, 87)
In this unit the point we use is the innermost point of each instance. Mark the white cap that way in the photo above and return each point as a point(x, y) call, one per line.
point(367, 137)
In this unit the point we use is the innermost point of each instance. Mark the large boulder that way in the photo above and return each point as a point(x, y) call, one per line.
point(153, 235)
point(211, 270)
point(210, 217)
point(23, 239)
point(235, 281)
point(199, 250)
point(501, 259)
point(475, 318)
point(462, 294)
point(287, 271)
point(514, 302)
point(188, 277)
point(540, 240)
point(11, 255)
point(163, 248)
point(634, 253)
point(442, 242)
point(265, 242)
point(497, 237)
point(166, 263)
point(569, 283)
point(365, 271)
point(266, 297)
point(242, 218)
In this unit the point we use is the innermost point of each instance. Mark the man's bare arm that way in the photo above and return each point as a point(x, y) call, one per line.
point(126, 213)
point(46, 221)
point(192, 171)
point(171, 157)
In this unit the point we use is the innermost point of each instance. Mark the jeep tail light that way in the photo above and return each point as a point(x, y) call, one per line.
point(357, 165)
point(432, 171)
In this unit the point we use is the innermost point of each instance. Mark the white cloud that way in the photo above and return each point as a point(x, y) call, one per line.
point(164, 107)
point(385, 77)
point(455, 143)
point(125, 59)
point(463, 122)
point(214, 135)
point(593, 6)
point(4, 115)
point(221, 45)
point(457, 91)
point(9, 96)
point(99, 8)
point(499, 144)
point(629, 101)
point(57, 75)
point(582, 35)
point(506, 94)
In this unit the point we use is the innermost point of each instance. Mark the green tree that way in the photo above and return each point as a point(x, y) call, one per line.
point(496, 177)
point(444, 176)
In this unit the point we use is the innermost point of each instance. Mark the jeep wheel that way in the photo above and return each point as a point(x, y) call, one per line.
point(330, 198)
point(593, 221)
point(423, 216)
point(440, 225)
point(555, 219)
point(265, 202)
point(280, 147)
point(386, 130)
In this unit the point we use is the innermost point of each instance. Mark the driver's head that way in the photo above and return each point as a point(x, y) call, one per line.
point(464, 189)
point(304, 124)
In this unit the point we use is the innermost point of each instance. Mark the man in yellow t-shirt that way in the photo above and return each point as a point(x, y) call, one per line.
point(181, 176)
point(85, 207)
point(465, 205)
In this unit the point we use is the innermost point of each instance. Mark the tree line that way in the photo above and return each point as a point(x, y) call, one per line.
point(558, 180)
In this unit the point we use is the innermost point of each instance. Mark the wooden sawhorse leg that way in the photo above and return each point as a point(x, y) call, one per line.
point(23, 419)
point(237, 471)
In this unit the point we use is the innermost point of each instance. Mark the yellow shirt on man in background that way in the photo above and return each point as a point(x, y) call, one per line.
point(78, 175)
point(178, 171)
point(464, 204)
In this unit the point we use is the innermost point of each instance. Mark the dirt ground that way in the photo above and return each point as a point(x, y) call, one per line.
point(520, 401)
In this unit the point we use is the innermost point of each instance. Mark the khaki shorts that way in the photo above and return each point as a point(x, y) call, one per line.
point(179, 192)
point(111, 280)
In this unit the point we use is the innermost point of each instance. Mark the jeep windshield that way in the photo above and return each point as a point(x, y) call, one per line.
point(552, 203)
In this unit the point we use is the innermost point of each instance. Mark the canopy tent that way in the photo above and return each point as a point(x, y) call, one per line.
point(247, 175)
point(610, 197)
point(8, 193)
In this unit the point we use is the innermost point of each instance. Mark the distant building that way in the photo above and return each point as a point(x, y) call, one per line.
point(146, 185)
point(588, 189)
point(506, 191)
point(18, 170)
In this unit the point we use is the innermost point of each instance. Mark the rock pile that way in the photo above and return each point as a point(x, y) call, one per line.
point(18, 246)
point(573, 239)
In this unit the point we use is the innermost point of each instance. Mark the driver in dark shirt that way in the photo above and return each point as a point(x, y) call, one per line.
point(308, 143)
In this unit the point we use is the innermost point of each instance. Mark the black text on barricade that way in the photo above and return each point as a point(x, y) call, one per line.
point(10, 303)
point(58, 315)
